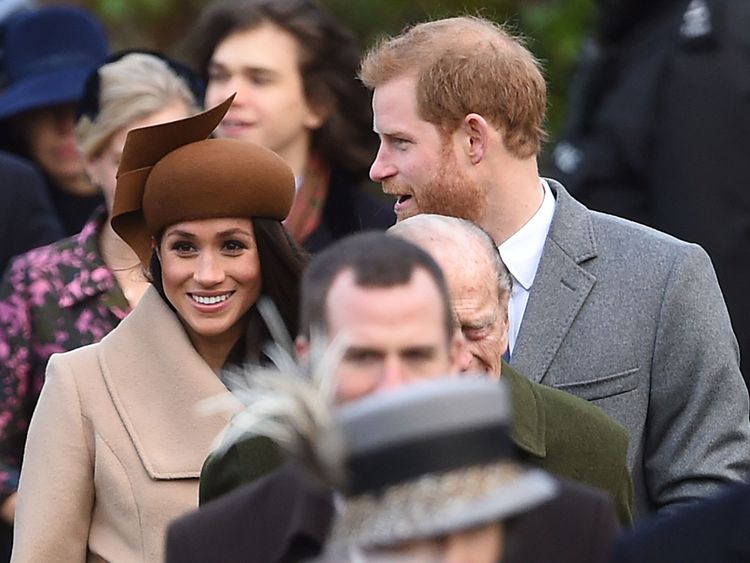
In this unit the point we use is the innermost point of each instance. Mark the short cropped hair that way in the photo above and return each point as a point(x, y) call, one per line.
point(328, 62)
point(130, 89)
point(467, 65)
point(377, 260)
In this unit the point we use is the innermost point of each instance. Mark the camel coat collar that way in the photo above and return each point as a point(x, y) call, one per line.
point(156, 380)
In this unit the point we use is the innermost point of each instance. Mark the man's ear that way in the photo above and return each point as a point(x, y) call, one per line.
point(317, 113)
point(505, 329)
point(302, 347)
point(477, 132)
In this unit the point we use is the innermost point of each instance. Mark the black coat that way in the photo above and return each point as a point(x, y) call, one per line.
point(577, 526)
point(272, 520)
point(279, 519)
point(715, 530)
point(658, 131)
point(27, 218)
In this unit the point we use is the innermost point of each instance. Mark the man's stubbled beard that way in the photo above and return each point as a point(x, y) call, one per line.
point(447, 192)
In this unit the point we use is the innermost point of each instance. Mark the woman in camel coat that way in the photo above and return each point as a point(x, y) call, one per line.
point(116, 442)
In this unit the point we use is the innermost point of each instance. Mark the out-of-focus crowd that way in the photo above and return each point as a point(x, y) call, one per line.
point(219, 342)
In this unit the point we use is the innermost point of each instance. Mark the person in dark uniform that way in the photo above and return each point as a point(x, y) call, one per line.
point(293, 69)
point(658, 126)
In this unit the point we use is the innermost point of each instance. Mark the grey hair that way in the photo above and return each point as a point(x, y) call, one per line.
point(426, 227)
point(131, 89)
point(504, 279)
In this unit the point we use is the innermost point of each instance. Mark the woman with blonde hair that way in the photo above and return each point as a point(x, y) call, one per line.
point(116, 443)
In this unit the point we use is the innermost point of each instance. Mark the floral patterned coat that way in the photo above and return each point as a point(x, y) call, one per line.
point(52, 299)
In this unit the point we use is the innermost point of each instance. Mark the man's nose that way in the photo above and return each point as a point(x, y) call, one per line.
point(465, 360)
point(232, 85)
point(381, 167)
point(464, 357)
point(393, 375)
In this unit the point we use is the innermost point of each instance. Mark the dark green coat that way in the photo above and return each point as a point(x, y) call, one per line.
point(556, 431)
point(570, 437)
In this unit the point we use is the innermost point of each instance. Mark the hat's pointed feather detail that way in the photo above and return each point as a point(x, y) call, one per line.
point(172, 172)
point(145, 146)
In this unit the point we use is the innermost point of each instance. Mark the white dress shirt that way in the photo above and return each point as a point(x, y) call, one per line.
point(521, 254)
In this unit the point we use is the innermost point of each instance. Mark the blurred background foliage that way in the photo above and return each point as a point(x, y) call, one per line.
point(554, 29)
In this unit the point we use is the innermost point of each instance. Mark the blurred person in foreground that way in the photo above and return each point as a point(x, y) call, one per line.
point(425, 472)
point(385, 302)
point(605, 309)
point(75, 291)
point(47, 54)
point(115, 444)
point(657, 130)
point(293, 68)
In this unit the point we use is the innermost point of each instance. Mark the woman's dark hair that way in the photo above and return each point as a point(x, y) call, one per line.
point(329, 61)
point(282, 262)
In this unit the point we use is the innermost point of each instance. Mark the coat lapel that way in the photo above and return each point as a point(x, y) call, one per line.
point(156, 380)
point(529, 424)
point(560, 288)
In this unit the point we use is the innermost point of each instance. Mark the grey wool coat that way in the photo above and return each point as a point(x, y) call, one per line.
point(634, 320)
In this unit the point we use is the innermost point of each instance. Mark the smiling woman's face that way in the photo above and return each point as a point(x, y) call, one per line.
point(211, 275)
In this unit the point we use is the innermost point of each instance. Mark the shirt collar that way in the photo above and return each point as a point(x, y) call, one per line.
point(523, 251)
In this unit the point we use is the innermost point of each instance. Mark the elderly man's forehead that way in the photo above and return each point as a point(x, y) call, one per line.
point(457, 252)
point(451, 233)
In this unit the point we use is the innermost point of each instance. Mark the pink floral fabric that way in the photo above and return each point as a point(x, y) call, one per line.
point(52, 299)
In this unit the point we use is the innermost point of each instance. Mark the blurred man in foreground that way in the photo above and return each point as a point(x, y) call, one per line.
point(425, 472)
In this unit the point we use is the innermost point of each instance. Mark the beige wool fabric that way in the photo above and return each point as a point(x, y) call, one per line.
point(116, 444)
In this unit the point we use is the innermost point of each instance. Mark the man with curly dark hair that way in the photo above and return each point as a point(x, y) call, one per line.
point(293, 68)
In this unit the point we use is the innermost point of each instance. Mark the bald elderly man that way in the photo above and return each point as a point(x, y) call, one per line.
point(557, 431)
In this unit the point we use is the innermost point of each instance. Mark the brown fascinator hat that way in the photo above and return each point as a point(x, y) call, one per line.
point(172, 172)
